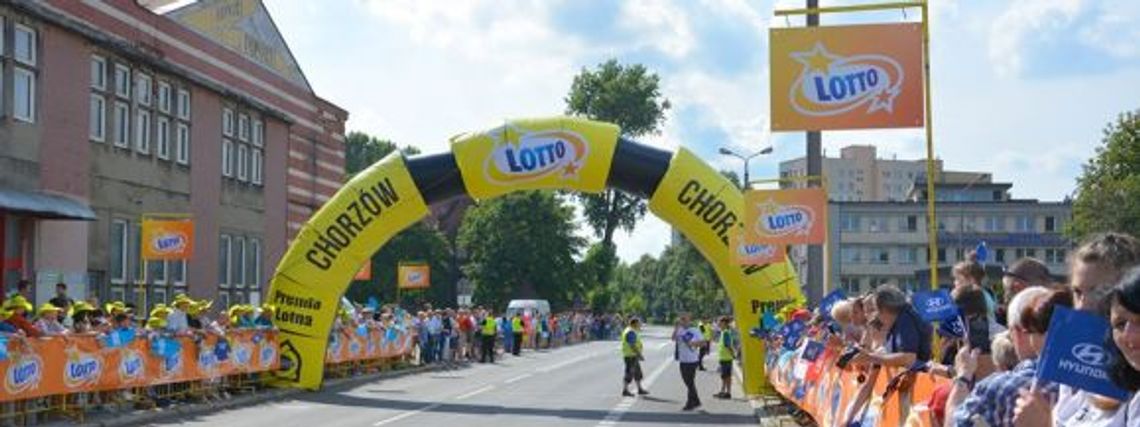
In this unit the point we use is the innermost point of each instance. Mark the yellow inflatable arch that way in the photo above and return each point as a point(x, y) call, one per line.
point(545, 153)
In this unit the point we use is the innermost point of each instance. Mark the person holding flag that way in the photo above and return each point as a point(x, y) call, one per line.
point(727, 349)
point(631, 353)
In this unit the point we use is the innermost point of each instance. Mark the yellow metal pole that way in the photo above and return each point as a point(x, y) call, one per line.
point(932, 219)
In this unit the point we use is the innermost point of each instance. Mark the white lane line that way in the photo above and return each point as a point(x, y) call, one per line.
point(517, 379)
point(475, 392)
point(664, 344)
point(558, 366)
point(407, 414)
point(614, 416)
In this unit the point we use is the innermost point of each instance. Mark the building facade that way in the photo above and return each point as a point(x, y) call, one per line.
point(858, 175)
point(119, 109)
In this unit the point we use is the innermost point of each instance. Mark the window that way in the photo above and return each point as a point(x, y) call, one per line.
point(1024, 223)
point(182, 144)
point(239, 262)
point(178, 272)
point(256, 169)
point(912, 223)
point(1019, 253)
point(24, 92)
point(158, 296)
point(848, 223)
point(1050, 224)
point(851, 255)
point(960, 254)
point(999, 255)
point(25, 48)
point(224, 299)
point(227, 158)
point(183, 104)
point(941, 254)
point(118, 293)
point(850, 285)
point(880, 256)
point(122, 124)
point(228, 122)
point(239, 298)
point(876, 225)
point(1055, 256)
point(142, 132)
point(254, 274)
point(164, 97)
point(142, 89)
point(995, 223)
point(224, 262)
point(156, 272)
point(242, 163)
point(118, 251)
point(258, 133)
point(98, 73)
point(122, 81)
point(908, 255)
point(162, 140)
point(97, 118)
point(243, 128)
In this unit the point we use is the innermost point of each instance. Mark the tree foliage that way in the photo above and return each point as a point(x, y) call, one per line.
point(629, 96)
point(1108, 189)
point(521, 245)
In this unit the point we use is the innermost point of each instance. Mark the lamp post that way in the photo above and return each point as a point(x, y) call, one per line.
point(745, 158)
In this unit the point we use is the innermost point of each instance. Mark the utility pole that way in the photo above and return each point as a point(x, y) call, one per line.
point(815, 280)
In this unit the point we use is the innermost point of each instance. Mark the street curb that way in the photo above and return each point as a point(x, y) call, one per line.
point(259, 397)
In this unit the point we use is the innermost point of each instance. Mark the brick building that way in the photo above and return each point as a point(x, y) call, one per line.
point(110, 110)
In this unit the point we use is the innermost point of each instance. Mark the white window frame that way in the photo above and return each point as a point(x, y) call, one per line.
point(162, 142)
point(227, 122)
point(182, 143)
point(258, 133)
point(142, 131)
point(227, 158)
point(32, 49)
point(257, 167)
point(240, 254)
point(123, 86)
point(154, 277)
point(30, 116)
point(242, 162)
point(183, 104)
point(225, 268)
point(97, 126)
point(159, 296)
point(122, 116)
point(243, 127)
point(143, 85)
point(125, 242)
point(164, 97)
point(98, 72)
point(176, 280)
point(255, 263)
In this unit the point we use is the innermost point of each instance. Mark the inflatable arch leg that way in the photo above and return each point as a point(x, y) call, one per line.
point(548, 153)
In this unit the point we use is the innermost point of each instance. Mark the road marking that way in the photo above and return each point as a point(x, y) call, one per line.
point(517, 379)
point(407, 414)
point(614, 416)
point(555, 367)
point(664, 344)
point(472, 393)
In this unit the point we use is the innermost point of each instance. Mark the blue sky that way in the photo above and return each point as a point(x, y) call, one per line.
point(1021, 88)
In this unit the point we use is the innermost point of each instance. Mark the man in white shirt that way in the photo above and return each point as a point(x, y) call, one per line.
point(689, 341)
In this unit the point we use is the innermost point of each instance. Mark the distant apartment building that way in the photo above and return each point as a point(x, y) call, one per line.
point(858, 175)
point(110, 110)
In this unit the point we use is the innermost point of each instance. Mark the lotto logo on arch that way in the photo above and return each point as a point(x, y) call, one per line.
point(785, 217)
point(847, 77)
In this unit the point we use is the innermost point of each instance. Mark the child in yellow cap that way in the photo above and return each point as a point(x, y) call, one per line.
point(48, 322)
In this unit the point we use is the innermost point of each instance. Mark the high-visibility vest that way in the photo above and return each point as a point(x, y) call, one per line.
point(489, 326)
point(706, 332)
point(726, 353)
point(516, 325)
point(627, 349)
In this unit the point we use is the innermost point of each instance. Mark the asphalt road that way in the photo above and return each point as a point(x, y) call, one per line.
point(571, 386)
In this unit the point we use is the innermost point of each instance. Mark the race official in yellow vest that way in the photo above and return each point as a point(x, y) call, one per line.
point(707, 337)
point(631, 353)
point(517, 331)
point(487, 333)
point(727, 346)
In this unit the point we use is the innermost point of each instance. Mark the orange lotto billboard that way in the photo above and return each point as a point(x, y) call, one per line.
point(846, 77)
point(167, 239)
point(414, 276)
point(785, 217)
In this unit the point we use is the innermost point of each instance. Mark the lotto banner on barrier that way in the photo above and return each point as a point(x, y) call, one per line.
point(367, 344)
point(705, 206)
point(826, 392)
point(414, 275)
point(327, 253)
point(529, 154)
point(167, 239)
point(847, 77)
point(785, 217)
point(39, 367)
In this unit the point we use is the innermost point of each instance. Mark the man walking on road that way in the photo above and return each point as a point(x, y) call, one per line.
point(689, 341)
point(488, 336)
point(631, 353)
point(517, 330)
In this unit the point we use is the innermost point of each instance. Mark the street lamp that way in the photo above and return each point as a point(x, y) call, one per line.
point(745, 158)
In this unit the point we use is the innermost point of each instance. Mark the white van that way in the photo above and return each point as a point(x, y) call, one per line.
point(536, 307)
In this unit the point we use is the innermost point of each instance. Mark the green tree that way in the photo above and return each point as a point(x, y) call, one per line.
point(1108, 190)
point(521, 245)
point(629, 96)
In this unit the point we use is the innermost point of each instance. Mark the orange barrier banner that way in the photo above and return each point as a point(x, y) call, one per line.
point(378, 343)
point(39, 367)
point(826, 392)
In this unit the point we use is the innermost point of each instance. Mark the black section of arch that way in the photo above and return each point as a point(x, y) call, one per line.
point(436, 176)
point(638, 168)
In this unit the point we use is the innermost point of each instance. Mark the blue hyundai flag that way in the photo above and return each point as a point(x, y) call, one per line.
point(812, 350)
point(1078, 353)
point(952, 328)
point(791, 333)
point(935, 305)
point(982, 251)
point(165, 347)
point(829, 301)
